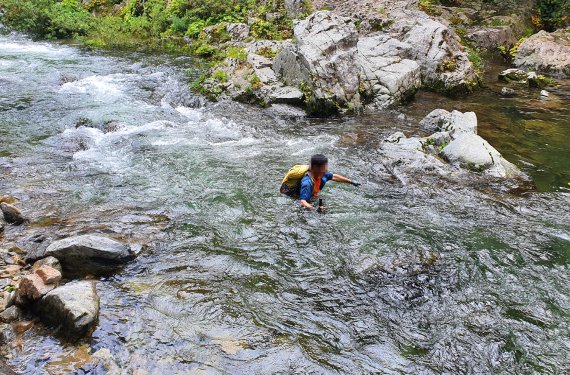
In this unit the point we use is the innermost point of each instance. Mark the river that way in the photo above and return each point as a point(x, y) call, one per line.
point(421, 278)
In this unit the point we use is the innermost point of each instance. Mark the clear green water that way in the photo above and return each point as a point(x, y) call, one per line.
point(424, 278)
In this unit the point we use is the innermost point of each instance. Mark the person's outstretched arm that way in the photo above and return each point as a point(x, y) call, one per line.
point(305, 193)
point(339, 178)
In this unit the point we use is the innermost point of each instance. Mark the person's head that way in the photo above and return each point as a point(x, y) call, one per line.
point(319, 165)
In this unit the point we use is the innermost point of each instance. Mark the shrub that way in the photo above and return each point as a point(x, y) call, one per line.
point(236, 53)
point(552, 14)
point(220, 75)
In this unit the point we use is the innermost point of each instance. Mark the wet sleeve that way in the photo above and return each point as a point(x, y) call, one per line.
point(328, 176)
point(306, 192)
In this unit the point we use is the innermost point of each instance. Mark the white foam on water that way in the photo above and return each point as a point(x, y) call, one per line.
point(9, 47)
point(190, 113)
point(106, 88)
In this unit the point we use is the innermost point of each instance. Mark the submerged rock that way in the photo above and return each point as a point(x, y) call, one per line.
point(73, 308)
point(546, 53)
point(507, 92)
point(513, 75)
point(89, 254)
point(12, 214)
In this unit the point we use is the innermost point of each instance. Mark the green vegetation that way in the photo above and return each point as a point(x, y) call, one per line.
point(220, 75)
point(146, 24)
point(552, 14)
point(509, 54)
point(430, 7)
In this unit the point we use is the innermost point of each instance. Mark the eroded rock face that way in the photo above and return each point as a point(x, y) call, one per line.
point(93, 254)
point(338, 64)
point(444, 63)
point(386, 76)
point(323, 58)
point(73, 307)
point(546, 53)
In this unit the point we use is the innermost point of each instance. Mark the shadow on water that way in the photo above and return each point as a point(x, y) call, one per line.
point(418, 278)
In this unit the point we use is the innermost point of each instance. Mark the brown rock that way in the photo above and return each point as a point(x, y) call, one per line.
point(12, 214)
point(32, 287)
point(49, 261)
point(8, 199)
point(10, 271)
point(48, 274)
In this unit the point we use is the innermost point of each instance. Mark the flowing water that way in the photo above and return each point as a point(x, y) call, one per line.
point(422, 278)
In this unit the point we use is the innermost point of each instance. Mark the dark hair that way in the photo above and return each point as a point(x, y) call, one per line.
point(318, 160)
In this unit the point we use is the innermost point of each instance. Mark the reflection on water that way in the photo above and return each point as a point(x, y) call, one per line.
point(420, 278)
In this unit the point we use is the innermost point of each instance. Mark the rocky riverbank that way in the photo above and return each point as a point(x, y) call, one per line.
point(378, 54)
point(55, 283)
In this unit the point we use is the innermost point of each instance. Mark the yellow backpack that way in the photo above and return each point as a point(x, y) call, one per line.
point(292, 181)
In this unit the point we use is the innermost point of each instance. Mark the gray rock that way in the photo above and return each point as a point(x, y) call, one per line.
point(507, 92)
point(439, 139)
point(287, 95)
point(546, 52)
point(513, 75)
point(11, 314)
point(532, 79)
point(89, 254)
point(490, 38)
point(295, 8)
point(395, 138)
point(462, 123)
point(323, 57)
point(472, 152)
point(544, 94)
point(73, 308)
point(385, 75)
point(437, 120)
point(12, 214)
point(238, 31)
point(437, 49)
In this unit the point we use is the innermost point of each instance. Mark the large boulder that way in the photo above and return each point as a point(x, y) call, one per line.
point(385, 75)
point(490, 38)
point(73, 308)
point(472, 152)
point(89, 254)
point(437, 49)
point(546, 53)
point(323, 57)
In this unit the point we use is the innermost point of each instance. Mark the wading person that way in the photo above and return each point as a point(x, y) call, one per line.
point(304, 182)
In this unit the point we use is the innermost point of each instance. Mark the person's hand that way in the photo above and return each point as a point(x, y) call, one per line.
point(321, 209)
point(355, 183)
